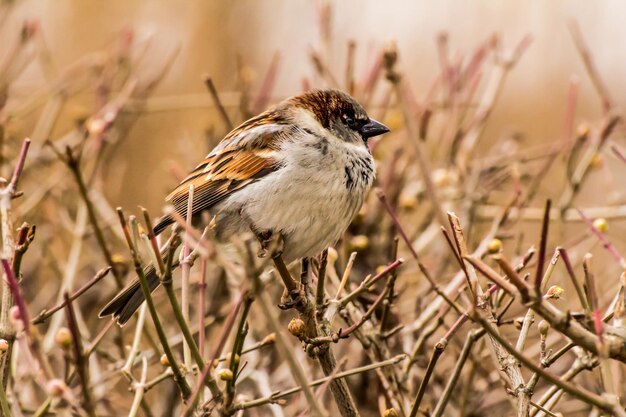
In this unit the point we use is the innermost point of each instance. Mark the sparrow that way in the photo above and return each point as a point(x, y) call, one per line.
point(300, 169)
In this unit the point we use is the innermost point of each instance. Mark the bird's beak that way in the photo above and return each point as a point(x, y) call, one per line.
point(373, 128)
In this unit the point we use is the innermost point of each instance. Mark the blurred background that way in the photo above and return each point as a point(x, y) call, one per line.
point(217, 38)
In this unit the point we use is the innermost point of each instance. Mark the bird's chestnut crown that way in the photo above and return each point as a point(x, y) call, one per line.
point(336, 110)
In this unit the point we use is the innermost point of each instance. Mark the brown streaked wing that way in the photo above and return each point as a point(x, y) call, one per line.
point(269, 117)
point(227, 170)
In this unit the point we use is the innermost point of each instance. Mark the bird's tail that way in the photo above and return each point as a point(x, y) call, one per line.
point(128, 300)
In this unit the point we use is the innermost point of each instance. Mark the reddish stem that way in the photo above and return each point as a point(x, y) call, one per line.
point(17, 295)
point(20, 164)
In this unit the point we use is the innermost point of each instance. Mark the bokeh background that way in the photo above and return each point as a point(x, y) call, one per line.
point(212, 36)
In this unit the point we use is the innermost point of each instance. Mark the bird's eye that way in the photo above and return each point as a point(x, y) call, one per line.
point(350, 121)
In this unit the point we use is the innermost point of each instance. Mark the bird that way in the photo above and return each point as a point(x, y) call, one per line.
point(300, 169)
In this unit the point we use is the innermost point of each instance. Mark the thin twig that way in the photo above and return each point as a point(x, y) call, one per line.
point(471, 338)
point(294, 366)
point(79, 360)
point(570, 271)
point(440, 346)
point(185, 263)
point(7, 331)
point(218, 103)
point(575, 390)
point(166, 281)
point(4, 402)
point(47, 313)
point(73, 164)
point(583, 50)
point(140, 389)
point(178, 376)
point(321, 276)
point(543, 242)
point(282, 394)
point(217, 350)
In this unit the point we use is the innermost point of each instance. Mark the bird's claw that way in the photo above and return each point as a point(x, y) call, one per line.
point(269, 242)
point(292, 299)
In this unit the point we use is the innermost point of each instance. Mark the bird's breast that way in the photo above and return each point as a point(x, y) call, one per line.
point(312, 198)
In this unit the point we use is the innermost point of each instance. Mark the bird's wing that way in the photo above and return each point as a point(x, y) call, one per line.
point(248, 153)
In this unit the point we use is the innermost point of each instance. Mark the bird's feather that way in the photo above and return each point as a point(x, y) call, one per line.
point(247, 154)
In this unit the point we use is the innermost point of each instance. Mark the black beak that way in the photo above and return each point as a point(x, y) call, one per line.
point(373, 128)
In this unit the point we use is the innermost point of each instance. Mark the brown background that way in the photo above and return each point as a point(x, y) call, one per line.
point(211, 34)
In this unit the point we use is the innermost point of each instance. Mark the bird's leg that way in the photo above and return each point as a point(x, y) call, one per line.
point(297, 298)
point(294, 295)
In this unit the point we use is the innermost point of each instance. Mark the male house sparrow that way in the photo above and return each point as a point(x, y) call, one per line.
point(300, 169)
